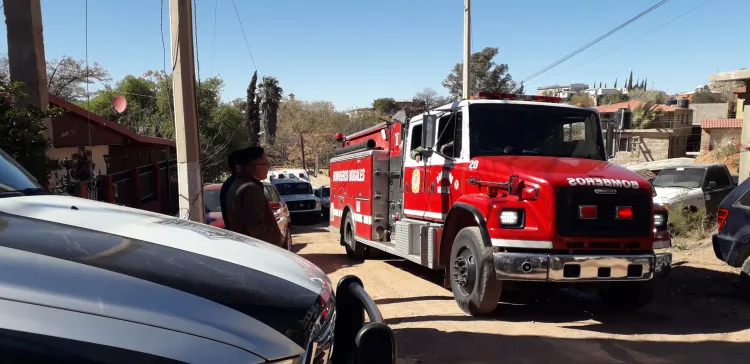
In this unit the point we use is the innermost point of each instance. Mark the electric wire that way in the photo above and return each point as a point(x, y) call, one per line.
point(243, 35)
point(595, 41)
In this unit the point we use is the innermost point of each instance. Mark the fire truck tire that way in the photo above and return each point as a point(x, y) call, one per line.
point(354, 250)
point(472, 274)
point(629, 296)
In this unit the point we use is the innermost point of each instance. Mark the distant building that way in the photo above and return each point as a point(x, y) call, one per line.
point(563, 91)
point(668, 139)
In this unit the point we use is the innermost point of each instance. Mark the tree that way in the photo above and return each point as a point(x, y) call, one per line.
point(384, 105)
point(252, 111)
point(431, 99)
point(655, 96)
point(67, 77)
point(581, 98)
point(613, 98)
point(484, 75)
point(629, 85)
point(140, 94)
point(646, 115)
point(615, 85)
point(22, 131)
point(270, 97)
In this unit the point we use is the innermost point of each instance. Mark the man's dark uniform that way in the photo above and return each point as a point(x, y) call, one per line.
point(249, 211)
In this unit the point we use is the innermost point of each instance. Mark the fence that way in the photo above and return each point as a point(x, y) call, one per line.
point(151, 187)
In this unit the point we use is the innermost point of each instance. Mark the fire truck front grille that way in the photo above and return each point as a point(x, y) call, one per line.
point(300, 205)
point(606, 224)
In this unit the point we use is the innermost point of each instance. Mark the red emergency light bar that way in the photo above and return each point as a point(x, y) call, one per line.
point(515, 97)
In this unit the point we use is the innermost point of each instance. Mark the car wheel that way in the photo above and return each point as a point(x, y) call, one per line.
point(472, 274)
point(288, 238)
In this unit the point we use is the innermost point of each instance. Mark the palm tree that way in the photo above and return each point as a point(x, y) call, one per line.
point(270, 94)
point(646, 115)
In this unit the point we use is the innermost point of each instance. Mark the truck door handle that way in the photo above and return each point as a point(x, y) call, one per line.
point(432, 187)
point(708, 197)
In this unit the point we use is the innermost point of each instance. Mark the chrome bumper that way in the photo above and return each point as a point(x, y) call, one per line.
point(575, 268)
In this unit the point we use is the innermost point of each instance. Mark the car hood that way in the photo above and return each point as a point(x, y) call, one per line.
point(559, 171)
point(266, 283)
point(674, 194)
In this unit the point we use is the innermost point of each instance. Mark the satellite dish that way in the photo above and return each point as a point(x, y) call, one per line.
point(119, 104)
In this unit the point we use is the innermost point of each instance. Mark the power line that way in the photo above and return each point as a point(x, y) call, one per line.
point(628, 43)
point(243, 35)
point(595, 41)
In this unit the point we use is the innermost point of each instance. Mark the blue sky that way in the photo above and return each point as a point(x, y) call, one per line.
point(351, 52)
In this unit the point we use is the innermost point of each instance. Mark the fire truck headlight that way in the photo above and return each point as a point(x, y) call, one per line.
point(660, 220)
point(511, 218)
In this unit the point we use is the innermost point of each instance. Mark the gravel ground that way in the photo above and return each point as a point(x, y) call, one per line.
point(696, 317)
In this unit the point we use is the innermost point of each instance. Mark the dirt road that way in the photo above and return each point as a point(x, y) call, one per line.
point(696, 317)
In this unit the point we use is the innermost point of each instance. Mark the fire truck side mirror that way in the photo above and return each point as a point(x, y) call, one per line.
point(429, 125)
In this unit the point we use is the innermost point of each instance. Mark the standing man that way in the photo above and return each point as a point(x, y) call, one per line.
point(233, 169)
point(249, 211)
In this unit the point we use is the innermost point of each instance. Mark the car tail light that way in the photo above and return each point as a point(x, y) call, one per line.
point(587, 212)
point(722, 218)
point(275, 205)
point(624, 213)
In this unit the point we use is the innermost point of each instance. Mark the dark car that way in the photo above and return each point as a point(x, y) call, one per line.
point(91, 282)
point(732, 241)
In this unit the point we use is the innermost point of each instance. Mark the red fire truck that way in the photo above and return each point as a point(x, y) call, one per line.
point(497, 190)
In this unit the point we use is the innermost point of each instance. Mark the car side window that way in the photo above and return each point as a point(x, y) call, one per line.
point(275, 195)
point(718, 175)
point(267, 191)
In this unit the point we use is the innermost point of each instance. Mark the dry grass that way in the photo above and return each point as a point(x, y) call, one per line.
point(689, 225)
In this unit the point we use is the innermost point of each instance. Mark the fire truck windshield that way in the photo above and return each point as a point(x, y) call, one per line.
point(526, 130)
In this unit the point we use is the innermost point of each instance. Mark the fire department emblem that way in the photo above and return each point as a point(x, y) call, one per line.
point(455, 184)
point(415, 181)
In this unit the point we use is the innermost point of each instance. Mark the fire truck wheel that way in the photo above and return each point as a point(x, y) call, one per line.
point(354, 250)
point(472, 274)
point(629, 296)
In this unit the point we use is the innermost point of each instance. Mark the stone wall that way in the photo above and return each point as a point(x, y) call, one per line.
point(650, 148)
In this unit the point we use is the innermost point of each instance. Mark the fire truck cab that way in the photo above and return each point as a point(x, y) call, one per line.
point(497, 189)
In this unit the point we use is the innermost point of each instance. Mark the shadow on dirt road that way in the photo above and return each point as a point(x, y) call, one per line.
point(438, 347)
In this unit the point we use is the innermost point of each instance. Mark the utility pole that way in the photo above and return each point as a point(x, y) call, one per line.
point(302, 144)
point(467, 47)
point(26, 52)
point(185, 111)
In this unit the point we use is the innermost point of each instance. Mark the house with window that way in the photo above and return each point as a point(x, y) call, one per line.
point(668, 138)
point(715, 131)
point(91, 145)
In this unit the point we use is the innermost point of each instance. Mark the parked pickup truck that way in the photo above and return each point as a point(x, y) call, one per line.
point(694, 186)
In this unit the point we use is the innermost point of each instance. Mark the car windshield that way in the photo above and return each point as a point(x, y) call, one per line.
point(325, 192)
point(294, 188)
point(552, 131)
point(211, 200)
point(13, 177)
point(680, 177)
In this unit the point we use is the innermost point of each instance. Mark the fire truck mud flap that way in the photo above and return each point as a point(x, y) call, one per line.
point(574, 268)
